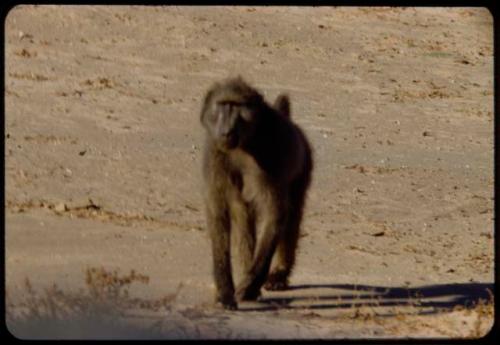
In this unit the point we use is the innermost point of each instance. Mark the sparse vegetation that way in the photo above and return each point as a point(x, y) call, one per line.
point(99, 311)
point(484, 310)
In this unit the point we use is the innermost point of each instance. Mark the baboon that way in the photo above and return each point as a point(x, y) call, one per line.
point(257, 168)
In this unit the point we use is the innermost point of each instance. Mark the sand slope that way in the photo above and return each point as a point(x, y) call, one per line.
point(102, 158)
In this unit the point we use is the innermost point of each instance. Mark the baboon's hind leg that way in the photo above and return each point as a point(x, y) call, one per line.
point(284, 258)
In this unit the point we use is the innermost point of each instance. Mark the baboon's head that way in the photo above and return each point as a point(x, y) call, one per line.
point(231, 112)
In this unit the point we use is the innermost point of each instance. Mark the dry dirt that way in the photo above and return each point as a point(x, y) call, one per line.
point(102, 162)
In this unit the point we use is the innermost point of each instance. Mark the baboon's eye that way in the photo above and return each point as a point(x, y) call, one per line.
point(214, 114)
point(220, 110)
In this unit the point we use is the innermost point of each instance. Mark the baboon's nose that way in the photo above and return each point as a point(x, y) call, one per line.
point(225, 132)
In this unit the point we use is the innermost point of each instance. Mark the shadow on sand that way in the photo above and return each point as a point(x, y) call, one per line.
point(430, 299)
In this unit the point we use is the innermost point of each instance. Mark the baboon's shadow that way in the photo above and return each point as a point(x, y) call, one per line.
point(429, 299)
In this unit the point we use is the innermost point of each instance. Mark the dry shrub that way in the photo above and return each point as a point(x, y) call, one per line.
point(485, 310)
point(96, 312)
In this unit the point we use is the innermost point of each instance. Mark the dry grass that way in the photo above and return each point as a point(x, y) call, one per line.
point(485, 312)
point(463, 321)
point(105, 309)
point(412, 317)
point(98, 311)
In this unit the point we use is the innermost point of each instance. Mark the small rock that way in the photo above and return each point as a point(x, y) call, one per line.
point(92, 205)
point(486, 234)
point(60, 207)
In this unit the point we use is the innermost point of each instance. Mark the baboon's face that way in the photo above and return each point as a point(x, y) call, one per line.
point(231, 112)
point(230, 123)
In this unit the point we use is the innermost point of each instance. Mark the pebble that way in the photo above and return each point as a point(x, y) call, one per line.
point(17, 209)
point(60, 207)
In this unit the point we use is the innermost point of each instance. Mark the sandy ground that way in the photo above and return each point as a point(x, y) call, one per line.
point(102, 160)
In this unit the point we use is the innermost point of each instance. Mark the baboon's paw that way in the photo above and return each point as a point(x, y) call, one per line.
point(226, 303)
point(226, 306)
point(276, 281)
point(247, 294)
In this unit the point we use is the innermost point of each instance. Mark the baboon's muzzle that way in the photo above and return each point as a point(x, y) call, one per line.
point(228, 141)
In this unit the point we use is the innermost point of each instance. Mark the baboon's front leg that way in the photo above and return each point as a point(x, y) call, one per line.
point(219, 228)
point(272, 225)
point(243, 226)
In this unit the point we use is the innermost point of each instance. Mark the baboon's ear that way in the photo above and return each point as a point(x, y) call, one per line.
point(282, 104)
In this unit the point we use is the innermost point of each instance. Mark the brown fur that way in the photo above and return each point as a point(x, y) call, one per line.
point(257, 168)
